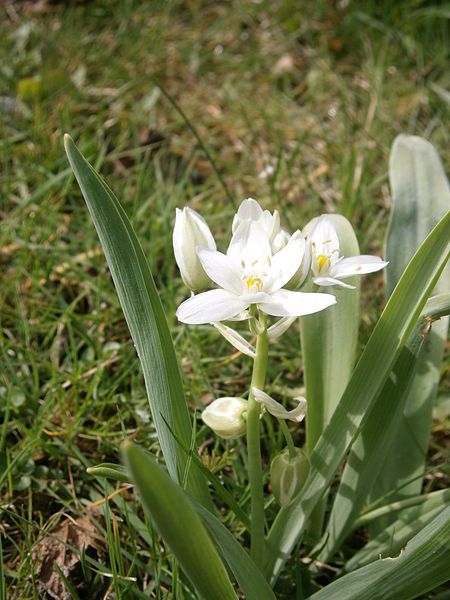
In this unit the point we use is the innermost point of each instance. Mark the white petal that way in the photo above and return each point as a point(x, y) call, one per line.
point(277, 410)
point(285, 303)
point(324, 242)
point(249, 243)
point(190, 231)
point(327, 281)
point(280, 241)
point(286, 262)
point(236, 339)
point(357, 265)
point(277, 330)
point(221, 269)
point(211, 306)
point(249, 209)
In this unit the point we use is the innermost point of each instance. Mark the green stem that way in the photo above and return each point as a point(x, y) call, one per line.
point(288, 437)
point(254, 449)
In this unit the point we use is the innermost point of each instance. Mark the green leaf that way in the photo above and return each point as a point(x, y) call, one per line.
point(178, 523)
point(390, 334)
point(409, 522)
point(371, 447)
point(249, 577)
point(420, 567)
point(145, 317)
point(421, 195)
point(109, 471)
point(329, 341)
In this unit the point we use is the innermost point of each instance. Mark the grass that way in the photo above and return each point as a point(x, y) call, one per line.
point(292, 103)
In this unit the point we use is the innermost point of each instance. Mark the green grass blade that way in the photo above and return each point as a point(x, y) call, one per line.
point(371, 448)
point(421, 195)
point(145, 317)
point(329, 340)
point(392, 539)
point(390, 334)
point(421, 567)
point(179, 525)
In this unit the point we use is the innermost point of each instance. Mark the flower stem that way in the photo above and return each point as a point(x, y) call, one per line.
point(254, 449)
point(288, 437)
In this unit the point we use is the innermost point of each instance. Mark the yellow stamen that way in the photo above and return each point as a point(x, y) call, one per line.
point(322, 260)
point(251, 281)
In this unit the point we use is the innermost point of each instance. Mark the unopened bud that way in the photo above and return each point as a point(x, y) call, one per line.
point(226, 417)
point(304, 268)
point(288, 475)
point(189, 234)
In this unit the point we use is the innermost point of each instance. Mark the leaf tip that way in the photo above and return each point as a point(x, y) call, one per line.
point(68, 141)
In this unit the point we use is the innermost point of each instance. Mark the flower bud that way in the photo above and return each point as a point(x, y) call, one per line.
point(304, 268)
point(226, 417)
point(288, 475)
point(189, 234)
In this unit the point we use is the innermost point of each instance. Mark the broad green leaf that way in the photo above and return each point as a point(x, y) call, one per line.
point(178, 523)
point(329, 340)
point(421, 195)
point(390, 334)
point(419, 568)
point(371, 447)
point(145, 318)
point(407, 524)
point(249, 577)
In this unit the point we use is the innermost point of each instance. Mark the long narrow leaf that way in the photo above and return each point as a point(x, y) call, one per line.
point(391, 540)
point(329, 340)
point(179, 524)
point(420, 567)
point(145, 317)
point(421, 195)
point(390, 334)
point(249, 577)
point(371, 447)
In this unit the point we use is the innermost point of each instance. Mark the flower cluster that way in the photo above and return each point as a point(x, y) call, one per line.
point(261, 272)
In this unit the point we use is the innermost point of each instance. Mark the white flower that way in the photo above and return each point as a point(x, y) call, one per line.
point(250, 210)
point(191, 232)
point(226, 417)
point(277, 410)
point(327, 266)
point(250, 273)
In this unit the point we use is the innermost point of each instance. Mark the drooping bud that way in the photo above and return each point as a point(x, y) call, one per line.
point(288, 475)
point(226, 417)
point(189, 234)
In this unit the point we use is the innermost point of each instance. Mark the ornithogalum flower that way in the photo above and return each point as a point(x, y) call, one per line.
point(328, 267)
point(226, 417)
point(190, 233)
point(252, 273)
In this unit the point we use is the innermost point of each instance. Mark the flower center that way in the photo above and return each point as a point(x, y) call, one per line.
point(322, 260)
point(255, 282)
